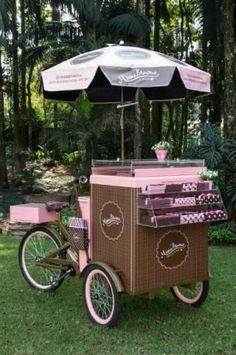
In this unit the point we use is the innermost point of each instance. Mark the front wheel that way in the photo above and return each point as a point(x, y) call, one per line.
point(102, 301)
point(194, 294)
point(36, 245)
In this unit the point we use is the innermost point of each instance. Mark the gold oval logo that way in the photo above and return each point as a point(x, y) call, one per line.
point(111, 220)
point(172, 249)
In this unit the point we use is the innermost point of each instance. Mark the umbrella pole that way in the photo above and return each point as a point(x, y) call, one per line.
point(122, 126)
point(122, 135)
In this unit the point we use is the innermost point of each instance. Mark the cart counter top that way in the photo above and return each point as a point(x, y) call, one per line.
point(139, 173)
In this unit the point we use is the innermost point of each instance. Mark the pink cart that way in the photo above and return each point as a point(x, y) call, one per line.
point(143, 227)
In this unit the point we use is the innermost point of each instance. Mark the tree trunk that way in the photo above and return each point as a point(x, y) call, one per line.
point(181, 11)
point(229, 80)
point(30, 110)
point(147, 14)
point(56, 16)
point(3, 168)
point(18, 130)
point(23, 109)
point(229, 86)
point(204, 60)
point(23, 67)
point(157, 108)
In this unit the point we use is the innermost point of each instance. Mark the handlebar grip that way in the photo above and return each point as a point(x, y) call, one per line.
point(81, 180)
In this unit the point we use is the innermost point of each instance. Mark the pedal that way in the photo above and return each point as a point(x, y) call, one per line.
point(68, 272)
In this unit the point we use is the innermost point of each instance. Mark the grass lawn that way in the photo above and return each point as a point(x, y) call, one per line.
point(38, 323)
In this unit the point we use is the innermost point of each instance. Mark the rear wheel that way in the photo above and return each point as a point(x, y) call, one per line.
point(102, 301)
point(36, 245)
point(193, 294)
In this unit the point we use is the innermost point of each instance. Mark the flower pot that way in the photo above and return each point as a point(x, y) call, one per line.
point(161, 154)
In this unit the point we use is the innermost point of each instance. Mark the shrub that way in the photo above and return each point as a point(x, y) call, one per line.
point(224, 233)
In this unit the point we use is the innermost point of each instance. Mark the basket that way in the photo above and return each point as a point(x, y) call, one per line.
point(78, 233)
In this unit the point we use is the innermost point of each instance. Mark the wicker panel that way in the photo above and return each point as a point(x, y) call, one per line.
point(184, 250)
point(136, 251)
point(111, 216)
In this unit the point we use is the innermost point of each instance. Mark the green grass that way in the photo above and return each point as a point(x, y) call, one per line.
point(38, 323)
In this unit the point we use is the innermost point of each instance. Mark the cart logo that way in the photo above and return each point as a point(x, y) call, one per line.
point(111, 220)
point(138, 75)
point(172, 249)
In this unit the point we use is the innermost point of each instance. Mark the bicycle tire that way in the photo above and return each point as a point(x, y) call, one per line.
point(38, 242)
point(102, 301)
point(195, 301)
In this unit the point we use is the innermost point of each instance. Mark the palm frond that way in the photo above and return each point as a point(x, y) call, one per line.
point(231, 190)
point(230, 151)
point(131, 24)
point(201, 11)
point(86, 10)
point(211, 145)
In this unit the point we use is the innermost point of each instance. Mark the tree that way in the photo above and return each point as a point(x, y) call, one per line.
point(229, 79)
point(4, 21)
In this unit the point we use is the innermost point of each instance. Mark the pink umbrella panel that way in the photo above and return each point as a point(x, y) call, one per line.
point(103, 72)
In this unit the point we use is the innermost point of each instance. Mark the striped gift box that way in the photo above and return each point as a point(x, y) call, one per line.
point(188, 218)
point(78, 233)
point(189, 186)
point(184, 201)
point(216, 215)
point(208, 198)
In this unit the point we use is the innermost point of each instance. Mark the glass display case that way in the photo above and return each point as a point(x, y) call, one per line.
point(161, 205)
point(131, 167)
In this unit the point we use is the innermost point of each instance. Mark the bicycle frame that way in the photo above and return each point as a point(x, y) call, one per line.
point(52, 260)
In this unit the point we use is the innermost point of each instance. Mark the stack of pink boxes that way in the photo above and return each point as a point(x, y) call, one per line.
point(180, 203)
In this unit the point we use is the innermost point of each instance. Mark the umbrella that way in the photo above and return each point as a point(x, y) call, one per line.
point(114, 74)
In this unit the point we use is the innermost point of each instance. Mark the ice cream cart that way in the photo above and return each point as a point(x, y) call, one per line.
point(149, 221)
point(144, 228)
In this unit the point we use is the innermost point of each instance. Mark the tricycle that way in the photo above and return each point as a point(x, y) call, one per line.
point(144, 226)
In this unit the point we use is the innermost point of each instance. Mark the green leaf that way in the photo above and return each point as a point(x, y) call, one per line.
point(131, 24)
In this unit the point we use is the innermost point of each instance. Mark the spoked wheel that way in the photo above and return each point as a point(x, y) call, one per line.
point(35, 245)
point(194, 294)
point(102, 301)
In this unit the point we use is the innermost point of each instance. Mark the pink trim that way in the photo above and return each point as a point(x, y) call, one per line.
point(147, 172)
point(88, 296)
point(84, 205)
point(186, 299)
point(32, 213)
point(136, 182)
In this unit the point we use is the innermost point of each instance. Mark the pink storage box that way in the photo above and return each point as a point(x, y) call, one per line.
point(32, 213)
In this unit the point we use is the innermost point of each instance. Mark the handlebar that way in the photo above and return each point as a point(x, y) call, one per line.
point(81, 180)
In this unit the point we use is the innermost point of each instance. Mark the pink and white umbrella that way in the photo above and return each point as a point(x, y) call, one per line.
point(114, 74)
point(103, 72)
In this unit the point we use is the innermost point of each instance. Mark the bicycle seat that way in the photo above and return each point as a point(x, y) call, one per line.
point(56, 205)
